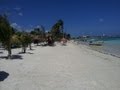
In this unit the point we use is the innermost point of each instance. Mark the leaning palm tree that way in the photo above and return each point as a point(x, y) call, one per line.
point(6, 33)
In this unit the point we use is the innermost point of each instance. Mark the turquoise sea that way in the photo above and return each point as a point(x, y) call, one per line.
point(110, 46)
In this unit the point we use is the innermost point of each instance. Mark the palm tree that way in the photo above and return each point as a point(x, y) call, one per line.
point(38, 34)
point(15, 41)
point(29, 40)
point(6, 33)
point(43, 33)
point(61, 23)
point(57, 29)
point(25, 40)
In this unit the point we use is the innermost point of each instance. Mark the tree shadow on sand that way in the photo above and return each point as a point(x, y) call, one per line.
point(1, 52)
point(12, 57)
point(25, 53)
point(32, 49)
point(3, 75)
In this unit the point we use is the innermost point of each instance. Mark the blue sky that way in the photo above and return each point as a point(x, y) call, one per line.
point(79, 16)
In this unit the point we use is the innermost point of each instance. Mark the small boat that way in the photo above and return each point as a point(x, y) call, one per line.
point(96, 42)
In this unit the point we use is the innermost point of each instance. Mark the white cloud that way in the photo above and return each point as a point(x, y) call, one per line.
point(16, 26)
point(20, 14)
point(38, 26)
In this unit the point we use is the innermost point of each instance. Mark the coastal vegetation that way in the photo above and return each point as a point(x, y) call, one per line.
point(6, 34)
point(11, 37)
point(57, 30)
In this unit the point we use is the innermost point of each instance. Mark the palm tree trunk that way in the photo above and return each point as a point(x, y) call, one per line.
point(30, 46)
point(62, 31)
point(24, 49)
point(9, 52)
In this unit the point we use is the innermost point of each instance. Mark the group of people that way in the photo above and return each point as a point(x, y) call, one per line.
point(50, 41)
point(63, 41)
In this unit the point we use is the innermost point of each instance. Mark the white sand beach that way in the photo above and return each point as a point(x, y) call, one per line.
point(70, 67)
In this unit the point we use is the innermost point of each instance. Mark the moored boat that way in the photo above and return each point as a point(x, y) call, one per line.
point(96, 42)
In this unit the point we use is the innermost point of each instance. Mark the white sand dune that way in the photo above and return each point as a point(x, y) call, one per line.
point(70, 67)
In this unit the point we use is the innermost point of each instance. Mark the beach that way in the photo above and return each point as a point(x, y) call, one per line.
point(70, 67)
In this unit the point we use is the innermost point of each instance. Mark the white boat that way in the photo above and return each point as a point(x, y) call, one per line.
point(96, 43)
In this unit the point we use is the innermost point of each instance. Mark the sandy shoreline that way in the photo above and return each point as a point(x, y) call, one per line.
point(70, 67)
point(98, 49)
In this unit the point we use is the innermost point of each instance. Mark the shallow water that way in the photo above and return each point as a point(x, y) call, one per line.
point(111, 47)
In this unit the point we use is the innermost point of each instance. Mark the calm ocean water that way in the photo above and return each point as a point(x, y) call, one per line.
point(111, 46)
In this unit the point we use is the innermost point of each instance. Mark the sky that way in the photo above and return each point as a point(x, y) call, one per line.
point(81, 17)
